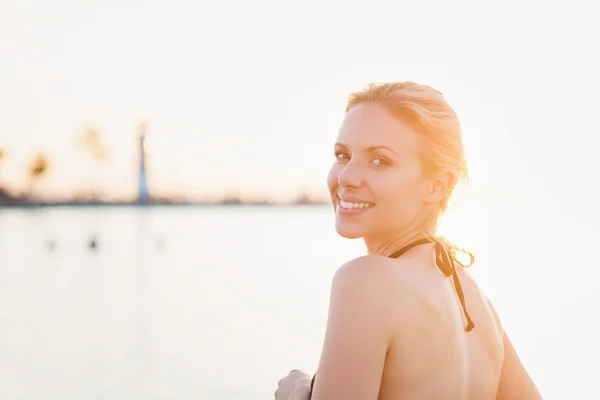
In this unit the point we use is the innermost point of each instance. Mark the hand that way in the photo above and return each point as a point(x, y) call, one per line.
point(295, 386)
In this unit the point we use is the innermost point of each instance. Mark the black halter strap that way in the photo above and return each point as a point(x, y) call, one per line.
point(409, 246)
point(447, 264)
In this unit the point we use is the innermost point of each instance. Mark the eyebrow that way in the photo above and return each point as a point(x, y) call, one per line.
point(369, 149)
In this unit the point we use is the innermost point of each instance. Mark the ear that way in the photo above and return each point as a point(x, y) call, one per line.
point(439, 186)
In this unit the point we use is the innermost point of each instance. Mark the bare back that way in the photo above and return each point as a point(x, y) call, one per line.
point(436, 358)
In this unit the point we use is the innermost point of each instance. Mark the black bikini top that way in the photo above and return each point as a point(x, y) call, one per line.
point(446, 262)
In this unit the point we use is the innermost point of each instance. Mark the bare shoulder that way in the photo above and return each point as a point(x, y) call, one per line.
point(377, 278)
point(363, 265)
point(370, 272)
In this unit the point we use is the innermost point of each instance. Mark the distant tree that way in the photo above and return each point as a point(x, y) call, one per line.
point(303, 198)
point(90, 141)
point(5, 196)
point(231, 200)
point(37, 169)
point(2, 156)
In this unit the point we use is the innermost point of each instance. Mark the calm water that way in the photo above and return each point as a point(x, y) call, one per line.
point(220, 302)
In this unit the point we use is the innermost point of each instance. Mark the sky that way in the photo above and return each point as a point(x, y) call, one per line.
point(247, 97)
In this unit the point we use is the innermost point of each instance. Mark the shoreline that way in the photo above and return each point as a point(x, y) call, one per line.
point(151, 204)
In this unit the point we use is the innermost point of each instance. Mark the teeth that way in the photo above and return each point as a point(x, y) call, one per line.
point(348, 205)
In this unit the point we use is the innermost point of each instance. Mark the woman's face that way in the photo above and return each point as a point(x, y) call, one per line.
point(376, 182)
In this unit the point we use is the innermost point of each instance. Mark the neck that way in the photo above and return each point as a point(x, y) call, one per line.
point(389, 245)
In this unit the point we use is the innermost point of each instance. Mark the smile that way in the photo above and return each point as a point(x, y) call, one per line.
point(353, 208)
point(347, 205)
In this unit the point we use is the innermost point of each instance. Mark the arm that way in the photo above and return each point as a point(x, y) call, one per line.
point(515, 382)
point(358, 332)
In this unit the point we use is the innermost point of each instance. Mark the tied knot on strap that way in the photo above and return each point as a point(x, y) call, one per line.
point(446, 259)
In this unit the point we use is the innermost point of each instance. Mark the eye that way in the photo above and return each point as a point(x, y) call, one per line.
point(342, 156)
point(380, 161)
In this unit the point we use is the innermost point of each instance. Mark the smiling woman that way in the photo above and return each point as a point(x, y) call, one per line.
point(397, 328)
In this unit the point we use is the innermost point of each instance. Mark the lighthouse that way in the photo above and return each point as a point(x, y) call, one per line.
point(143, 195)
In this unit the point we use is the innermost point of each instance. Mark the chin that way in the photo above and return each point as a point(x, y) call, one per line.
point(349, 231)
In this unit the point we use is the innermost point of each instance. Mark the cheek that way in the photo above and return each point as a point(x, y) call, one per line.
point(401, 195)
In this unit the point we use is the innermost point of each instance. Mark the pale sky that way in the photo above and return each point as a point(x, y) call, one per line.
point(247, 96)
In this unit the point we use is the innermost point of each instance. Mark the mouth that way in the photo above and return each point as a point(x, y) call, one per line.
point(354, 207)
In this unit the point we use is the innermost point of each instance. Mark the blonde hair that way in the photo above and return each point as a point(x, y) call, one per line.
point(429, 112)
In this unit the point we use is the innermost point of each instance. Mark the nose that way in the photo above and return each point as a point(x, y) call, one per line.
point(350, 176)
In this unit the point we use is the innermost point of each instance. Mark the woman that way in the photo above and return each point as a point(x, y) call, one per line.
point(405, 321)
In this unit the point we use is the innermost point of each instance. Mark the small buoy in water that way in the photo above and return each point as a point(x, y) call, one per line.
point(50, 245)
point(93, 244)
